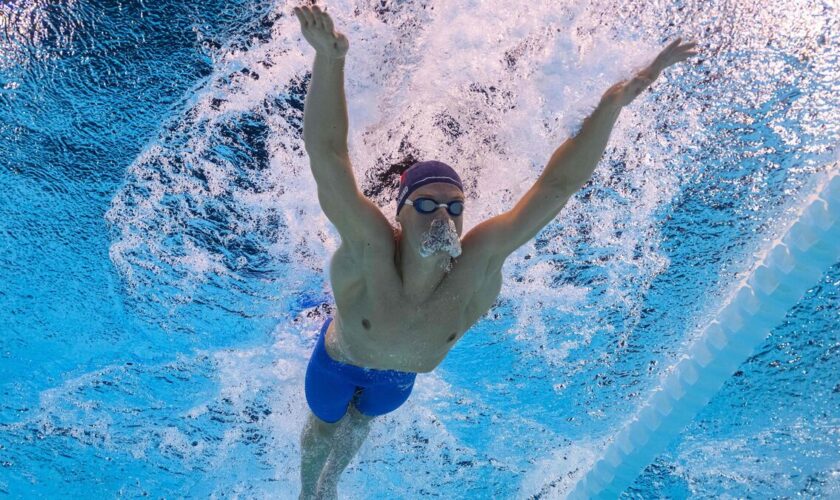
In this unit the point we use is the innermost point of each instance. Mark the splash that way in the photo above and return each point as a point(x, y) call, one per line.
point(224, 198)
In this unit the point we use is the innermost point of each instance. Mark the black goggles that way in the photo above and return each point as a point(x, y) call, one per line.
point(428, 205)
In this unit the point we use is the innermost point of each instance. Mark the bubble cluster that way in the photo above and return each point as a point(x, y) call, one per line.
point(442, 236)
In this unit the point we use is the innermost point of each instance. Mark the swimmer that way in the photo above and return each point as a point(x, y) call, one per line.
point(404, 296)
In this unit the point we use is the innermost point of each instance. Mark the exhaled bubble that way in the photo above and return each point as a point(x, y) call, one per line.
point(441, 236)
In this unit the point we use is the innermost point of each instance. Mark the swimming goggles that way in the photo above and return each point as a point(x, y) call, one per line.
point(428, 205)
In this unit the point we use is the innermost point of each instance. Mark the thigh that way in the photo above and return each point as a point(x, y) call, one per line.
point(380, 399)
point(327, 392)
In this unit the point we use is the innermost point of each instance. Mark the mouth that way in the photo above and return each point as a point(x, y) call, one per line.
point(442, 236)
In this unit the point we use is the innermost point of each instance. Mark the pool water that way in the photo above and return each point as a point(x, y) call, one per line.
point(164, 259)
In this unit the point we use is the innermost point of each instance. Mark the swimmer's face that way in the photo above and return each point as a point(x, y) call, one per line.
point(437, 232)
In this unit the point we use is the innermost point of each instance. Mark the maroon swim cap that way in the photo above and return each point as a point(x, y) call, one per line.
point(422, 173)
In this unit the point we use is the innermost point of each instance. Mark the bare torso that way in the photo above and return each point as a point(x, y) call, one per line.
point(376, 327)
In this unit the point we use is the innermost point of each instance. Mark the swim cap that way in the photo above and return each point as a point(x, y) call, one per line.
point(422, 173)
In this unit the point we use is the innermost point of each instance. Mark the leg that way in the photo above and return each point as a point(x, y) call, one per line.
point(348, 439)
point(328, 394)
point(315, 443)
point(376, 399)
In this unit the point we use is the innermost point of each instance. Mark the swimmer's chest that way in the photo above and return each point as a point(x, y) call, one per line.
point(374, 319)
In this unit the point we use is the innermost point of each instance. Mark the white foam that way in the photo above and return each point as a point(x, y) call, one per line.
point(492, 90)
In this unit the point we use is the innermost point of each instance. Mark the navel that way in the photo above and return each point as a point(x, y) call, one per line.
point(366, 323)
point(451, 338)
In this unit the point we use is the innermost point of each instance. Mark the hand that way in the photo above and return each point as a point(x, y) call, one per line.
point(317, 28)
point(623, 93)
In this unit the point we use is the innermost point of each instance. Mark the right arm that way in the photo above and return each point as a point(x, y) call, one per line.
point(359, 222)
point(362, 226)
point(325, 121)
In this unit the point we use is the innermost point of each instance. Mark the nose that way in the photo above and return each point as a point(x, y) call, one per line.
point(437, 219)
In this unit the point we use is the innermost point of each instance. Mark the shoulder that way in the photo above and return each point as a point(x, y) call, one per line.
point(483, 242)
point(480, 254)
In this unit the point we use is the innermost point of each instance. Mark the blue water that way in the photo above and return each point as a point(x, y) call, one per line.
point(163, 257)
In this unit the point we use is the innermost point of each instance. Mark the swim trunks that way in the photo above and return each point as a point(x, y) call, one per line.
point(331, 385)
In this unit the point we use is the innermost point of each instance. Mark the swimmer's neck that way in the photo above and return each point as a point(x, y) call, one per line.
point(421, 276)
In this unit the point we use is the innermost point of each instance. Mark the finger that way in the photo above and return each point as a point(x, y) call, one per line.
point(663, 56)
point(686, 48)
point(310, 19)
point(299, 14)
point(318, 16)
point(689, 54)
point(302, 13)
point(692, 50)
point(683, 57)
point(328, 23)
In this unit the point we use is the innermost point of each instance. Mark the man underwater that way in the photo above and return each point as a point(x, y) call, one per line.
point(387, 284)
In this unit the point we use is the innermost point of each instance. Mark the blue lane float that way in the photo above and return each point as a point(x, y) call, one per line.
point(787, 270)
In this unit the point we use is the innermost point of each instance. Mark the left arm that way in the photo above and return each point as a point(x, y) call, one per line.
point(572, 164)
point(569, 168)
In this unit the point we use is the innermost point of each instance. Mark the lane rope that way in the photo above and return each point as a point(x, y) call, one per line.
point(789, 267)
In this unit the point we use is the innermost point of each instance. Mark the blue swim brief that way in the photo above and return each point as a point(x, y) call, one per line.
point(331, 386)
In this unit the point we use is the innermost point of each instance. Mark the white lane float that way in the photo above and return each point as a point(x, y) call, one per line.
point(789, 267)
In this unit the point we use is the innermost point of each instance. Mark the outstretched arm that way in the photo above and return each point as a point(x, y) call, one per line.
point(574, 161)
point(325, 121)
point(362, 226)
point(569, 168)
